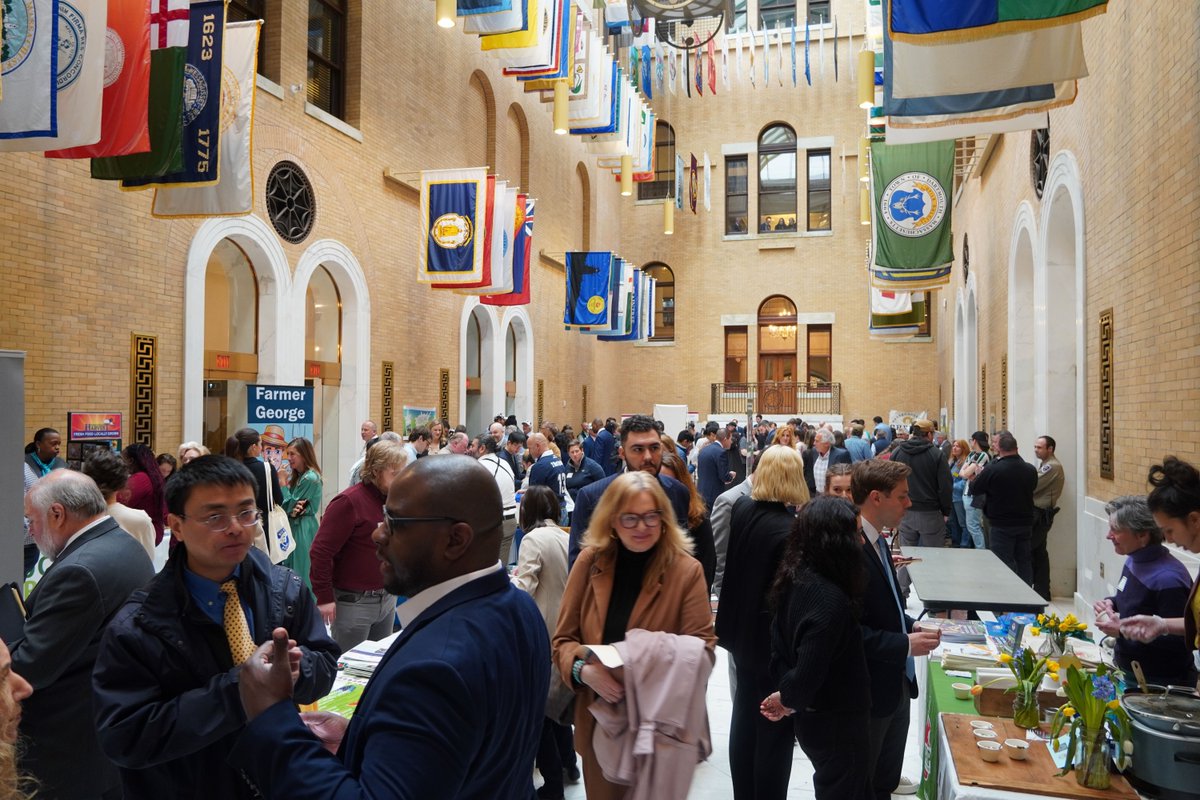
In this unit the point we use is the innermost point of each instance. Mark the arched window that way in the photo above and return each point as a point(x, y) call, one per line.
point(518, 146)
point(663, 184)
point(585, 206)
point(777, 179)
point(664, 302)
point(777, 339)
point(323, 365)
point(482, 89)
point(230, 341)
point(510, 371)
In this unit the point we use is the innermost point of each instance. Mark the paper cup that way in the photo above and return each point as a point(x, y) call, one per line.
point(1017, 749)
point(962, 690)
point(989, 751)
point(984, 733)
point(979, 723)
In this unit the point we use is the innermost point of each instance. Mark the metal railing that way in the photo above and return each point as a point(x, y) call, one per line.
point(777, 397)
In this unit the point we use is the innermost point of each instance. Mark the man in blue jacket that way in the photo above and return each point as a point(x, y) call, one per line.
point(581, 470)
point(166, 678)
point(713, 474)
point(455, 707)
point(606, 448)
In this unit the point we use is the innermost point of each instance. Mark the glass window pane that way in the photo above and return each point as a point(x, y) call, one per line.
point(323, 322)
point(818, 11)
point(820, 202)
point(776, 171)
point(320, 85)
point(777, 136)
point(777, 211)
point(230, 301)
point(739, 16)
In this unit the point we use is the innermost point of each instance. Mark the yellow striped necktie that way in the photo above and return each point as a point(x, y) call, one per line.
point(241, 644)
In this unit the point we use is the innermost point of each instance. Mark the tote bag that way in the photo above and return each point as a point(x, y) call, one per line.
point(277, 529)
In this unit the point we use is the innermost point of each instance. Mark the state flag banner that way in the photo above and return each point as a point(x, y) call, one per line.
point(904, 324)
point(556, 46)
point(631, 314)
point(466, 8)
point(124, 125)
point(200, 140)
point(610, 116)
point(887, 303)
point(501, 232)
point(170, 23)
point(233, 193)
point(621, 290)
point(589, 289)
point(692, 188)
point(164, 119)
point(522, 250)
point(79, 79)
point(530, 45)
point(30, 69)
point(679, 181)
point(506, 20)
point(485, 237)
point(453, 210)
point(912, 185)
point(936, 21)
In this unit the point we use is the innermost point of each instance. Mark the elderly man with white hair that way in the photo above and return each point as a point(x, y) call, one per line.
point(820, 457)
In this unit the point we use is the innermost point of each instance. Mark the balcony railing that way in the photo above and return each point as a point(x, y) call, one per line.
point(777, 397)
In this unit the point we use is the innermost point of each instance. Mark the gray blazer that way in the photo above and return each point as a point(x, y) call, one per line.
point(68, 610)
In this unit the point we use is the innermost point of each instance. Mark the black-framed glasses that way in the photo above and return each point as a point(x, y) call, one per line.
point(651, 519)
point(395, 522)
point(220, 523)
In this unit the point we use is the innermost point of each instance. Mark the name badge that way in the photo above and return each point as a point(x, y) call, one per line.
point(1121, 584)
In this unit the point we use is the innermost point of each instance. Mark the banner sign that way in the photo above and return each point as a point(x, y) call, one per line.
point(87, 425)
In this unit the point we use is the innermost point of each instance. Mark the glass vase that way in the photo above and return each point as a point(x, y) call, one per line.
point(1026, 713)
point(1092, 769)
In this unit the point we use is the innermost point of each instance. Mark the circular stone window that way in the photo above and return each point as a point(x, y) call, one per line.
point(1039, 159)
point(291, 202)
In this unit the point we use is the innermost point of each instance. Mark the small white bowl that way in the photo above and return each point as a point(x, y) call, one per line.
point(962, 690)
point(989, 751)
point(979, 723)
point(984, 733)
point(1017, 749)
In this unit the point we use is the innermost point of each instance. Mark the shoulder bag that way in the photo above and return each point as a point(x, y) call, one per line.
point(277, 528)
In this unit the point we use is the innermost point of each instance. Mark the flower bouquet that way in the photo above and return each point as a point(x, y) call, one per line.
point(1092, 709)
point(1057, 630)
point(1028, 670)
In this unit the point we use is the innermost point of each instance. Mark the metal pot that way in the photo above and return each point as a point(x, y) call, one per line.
point(1166, 761)
point(1174, 710)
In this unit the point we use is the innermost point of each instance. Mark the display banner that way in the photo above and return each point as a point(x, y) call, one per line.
point(912, 185)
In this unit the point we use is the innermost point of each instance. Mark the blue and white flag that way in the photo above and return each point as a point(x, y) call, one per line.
point(807, 68)
point(522, 248)
point(631, 309)
point(793, 54)
point(79, 81)
point(506, 20)
point(501, 230)
point(610, 117)
point(468, 8)
point(30, 70)
point(589, 289)
point(935, 21)
point(678, 181)
point(453, 224)
point(647, 73)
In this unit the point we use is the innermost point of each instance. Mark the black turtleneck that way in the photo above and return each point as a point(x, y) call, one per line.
point(628, 573)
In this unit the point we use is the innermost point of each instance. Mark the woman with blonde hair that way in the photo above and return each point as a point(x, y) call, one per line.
point(189, 451)
point(785, 435)
point(698, 526)
point(302, 502)
point(636, 571)
point(760, 750)
point(959, 535)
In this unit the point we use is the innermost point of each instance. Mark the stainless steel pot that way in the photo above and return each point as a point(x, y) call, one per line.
point(1174, 710)
point(1167, 761)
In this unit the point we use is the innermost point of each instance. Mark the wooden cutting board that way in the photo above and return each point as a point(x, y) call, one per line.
point(1035, 775)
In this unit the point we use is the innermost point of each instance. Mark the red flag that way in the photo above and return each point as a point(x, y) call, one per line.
point(124, 125)
point(712, 66)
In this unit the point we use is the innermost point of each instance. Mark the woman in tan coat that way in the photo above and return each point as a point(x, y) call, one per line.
point(636, 571)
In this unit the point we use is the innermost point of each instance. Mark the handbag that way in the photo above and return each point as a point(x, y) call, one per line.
point(277, 528)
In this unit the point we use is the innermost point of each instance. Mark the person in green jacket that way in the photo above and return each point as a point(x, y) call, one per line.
point(302, 502)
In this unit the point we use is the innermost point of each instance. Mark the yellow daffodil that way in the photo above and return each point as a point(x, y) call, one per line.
point(1005, 658)
point(1036, 631)
point(1052, 666)
point(1114, 704)
point(1041, 617)
point(1054, 677)
point(1081, 626)
point(1069, 618)
point(1068, 712)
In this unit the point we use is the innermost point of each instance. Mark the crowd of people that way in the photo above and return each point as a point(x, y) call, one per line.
point(558, 598)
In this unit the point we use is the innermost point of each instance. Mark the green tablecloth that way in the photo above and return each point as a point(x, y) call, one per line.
point(939, 697)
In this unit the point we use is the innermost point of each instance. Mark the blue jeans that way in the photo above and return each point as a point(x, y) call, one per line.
point(974, 517)
point(959, 535)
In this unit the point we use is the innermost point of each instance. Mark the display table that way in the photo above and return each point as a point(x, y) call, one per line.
point(939, 697)
point(977, 580)
point(963, 775)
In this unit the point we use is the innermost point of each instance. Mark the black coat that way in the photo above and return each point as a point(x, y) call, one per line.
point(837, 455)
point(166, 691)
point(68, 612)
point(885, 639)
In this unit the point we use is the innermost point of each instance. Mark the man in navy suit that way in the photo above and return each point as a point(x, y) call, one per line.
point(606, 448)
point(820, 457)
point(890, 643)
point(454, 709)
point(713, 475)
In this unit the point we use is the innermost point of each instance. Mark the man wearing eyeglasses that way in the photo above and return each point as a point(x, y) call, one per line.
point(455, 707)
point(166, 678)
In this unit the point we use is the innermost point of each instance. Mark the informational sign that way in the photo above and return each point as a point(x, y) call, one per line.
point(280, 414)
point(85, 426)
point(418, 418)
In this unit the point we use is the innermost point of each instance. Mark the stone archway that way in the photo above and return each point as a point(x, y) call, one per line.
point(517, 318)
point(1021, 326)
point(478, 404)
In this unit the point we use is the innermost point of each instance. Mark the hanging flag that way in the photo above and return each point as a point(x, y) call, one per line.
point(725, 62)
point(124, 120)
point(610, 104)
point(766, 57)
point(201, 138)
point(500, 231)
point(679, 181)
point(490, 237)
point(699, 76)
point(468, 8)
point(711, 58)
point(544, 60)
point(533, 44)
point(233, 193)
point(807, 67)
point(692, 188)
point(647, 73)
point(793, 54)
point(170, 24)
point(508, 20)
point(900, 325)
point(835, 50)
point(659, 67)
point(821, 49)
point(634, 57)
point(935, 21)
point(79, 78)
point(779, 52)
point(687, 74)
point(454, 208)
point(673, 69)
point(522, 251)
point(888, 303)
point(588, 294)
point(707, 183)
point(31, 44)
point(912, 186)
point(631, 312)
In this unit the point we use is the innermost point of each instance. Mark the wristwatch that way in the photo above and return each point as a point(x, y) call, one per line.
point(577, 671)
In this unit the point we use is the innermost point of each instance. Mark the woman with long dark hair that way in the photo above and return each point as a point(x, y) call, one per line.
point(977, 459)
point(302, 502)
point(817, 655)
point(246, 446)
point(146, 486)
point(699, 527)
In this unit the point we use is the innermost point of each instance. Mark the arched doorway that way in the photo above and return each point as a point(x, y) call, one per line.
point(323, 368)
point(664, 301)
point(230, 341)
point(518, 364)
point(1021, 327)
point(481, 392)
point(966, 360)
point(777, 355)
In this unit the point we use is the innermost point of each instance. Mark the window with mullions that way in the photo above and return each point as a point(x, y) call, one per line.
point(771, 12)
point(327, 55)
point(663, 184)
point(737, 194)
point(818, 12)
point(820, 202)
point(738, 23)
point(777, 179)
point(242, 10)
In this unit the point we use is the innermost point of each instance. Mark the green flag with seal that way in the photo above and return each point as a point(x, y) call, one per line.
point(912, 185)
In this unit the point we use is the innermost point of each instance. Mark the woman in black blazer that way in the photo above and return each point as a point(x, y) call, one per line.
point(246, 446)
point(760, 751)
point(817, 651)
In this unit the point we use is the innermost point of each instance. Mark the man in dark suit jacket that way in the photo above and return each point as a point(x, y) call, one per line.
point(713, 475)
point(880, 490)
point(96, 567)
point(454, 709)
point(824, 453)
point(606, 448)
